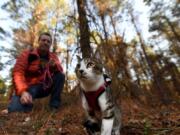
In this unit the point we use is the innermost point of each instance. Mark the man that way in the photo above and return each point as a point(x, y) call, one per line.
point(36, 74)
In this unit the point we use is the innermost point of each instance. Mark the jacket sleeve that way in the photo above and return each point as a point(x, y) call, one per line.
point(19, 73)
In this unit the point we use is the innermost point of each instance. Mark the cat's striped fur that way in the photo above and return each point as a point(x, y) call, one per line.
point(91, 79)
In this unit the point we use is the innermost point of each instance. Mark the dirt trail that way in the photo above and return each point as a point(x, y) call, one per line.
point(137, 120)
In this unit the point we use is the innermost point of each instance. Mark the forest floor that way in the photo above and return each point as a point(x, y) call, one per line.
point(137, 119)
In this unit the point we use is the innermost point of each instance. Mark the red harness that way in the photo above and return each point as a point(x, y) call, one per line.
point(92, 97)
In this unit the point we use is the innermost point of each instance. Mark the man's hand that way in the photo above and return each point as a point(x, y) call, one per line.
point(26, 98)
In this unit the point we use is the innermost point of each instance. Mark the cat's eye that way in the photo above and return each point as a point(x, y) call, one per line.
point(90, 64)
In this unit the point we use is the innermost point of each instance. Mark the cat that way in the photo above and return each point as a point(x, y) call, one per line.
point(97, 97)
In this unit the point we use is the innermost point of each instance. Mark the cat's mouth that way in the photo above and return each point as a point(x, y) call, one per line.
point(83, 76)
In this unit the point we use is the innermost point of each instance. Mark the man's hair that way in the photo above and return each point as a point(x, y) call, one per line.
point(45, 33)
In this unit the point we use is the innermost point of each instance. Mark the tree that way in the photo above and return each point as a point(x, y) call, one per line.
point(84, 30)
point(165, 20)
point(2, 86)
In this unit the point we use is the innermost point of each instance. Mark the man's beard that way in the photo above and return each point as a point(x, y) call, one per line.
point(43, 51)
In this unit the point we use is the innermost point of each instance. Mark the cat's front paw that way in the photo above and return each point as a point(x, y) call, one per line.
point(115, 133)
point(91, 127)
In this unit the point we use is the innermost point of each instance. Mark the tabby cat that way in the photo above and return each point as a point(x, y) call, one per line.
point(97, 97)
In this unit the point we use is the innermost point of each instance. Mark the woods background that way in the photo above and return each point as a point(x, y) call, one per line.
point(144, 69)
point(144, 66)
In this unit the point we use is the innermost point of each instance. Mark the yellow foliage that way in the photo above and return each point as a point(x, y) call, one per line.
point(2, 85)
point(53, 21)
point(70, 40)
point(150, 51)
point(110, 64)
point(60, 49)
point(95, 35)
point(105, 6)
point(72, 77)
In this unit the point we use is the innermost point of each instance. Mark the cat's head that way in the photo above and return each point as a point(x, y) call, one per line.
point(88, 68)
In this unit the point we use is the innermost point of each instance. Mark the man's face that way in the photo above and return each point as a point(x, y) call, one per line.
point(44, 43)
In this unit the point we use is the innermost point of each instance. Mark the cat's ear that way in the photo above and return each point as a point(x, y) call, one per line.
point(95, 56)
point(78, 58)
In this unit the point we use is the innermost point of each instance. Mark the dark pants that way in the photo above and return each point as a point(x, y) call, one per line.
point(37, 91)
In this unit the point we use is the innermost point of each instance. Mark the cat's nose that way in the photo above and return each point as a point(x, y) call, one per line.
point(81, 71)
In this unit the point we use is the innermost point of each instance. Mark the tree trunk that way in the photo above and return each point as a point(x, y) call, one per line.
point(104, 29)
point(84, 30)
point(114, 28)
point(176, 35)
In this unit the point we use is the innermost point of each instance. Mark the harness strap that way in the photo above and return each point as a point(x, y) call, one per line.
point(92, 97)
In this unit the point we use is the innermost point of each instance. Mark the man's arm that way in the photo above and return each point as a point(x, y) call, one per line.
point(19, 73)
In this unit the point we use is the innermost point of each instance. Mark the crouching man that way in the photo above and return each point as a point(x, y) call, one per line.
point(36, 74)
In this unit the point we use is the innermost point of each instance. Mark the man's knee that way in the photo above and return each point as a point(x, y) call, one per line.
point(16, 106)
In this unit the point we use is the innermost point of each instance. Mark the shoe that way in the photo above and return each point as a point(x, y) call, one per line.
point(4, 112)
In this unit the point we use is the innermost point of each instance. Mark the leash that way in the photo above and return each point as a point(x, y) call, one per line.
point(47, 80)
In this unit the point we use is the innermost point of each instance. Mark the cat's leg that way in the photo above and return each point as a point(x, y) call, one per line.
point(117, 121)
point(91, 124)
point(115, 132)
point(108, 113)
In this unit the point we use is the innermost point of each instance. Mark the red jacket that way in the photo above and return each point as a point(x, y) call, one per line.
point(28, 70)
